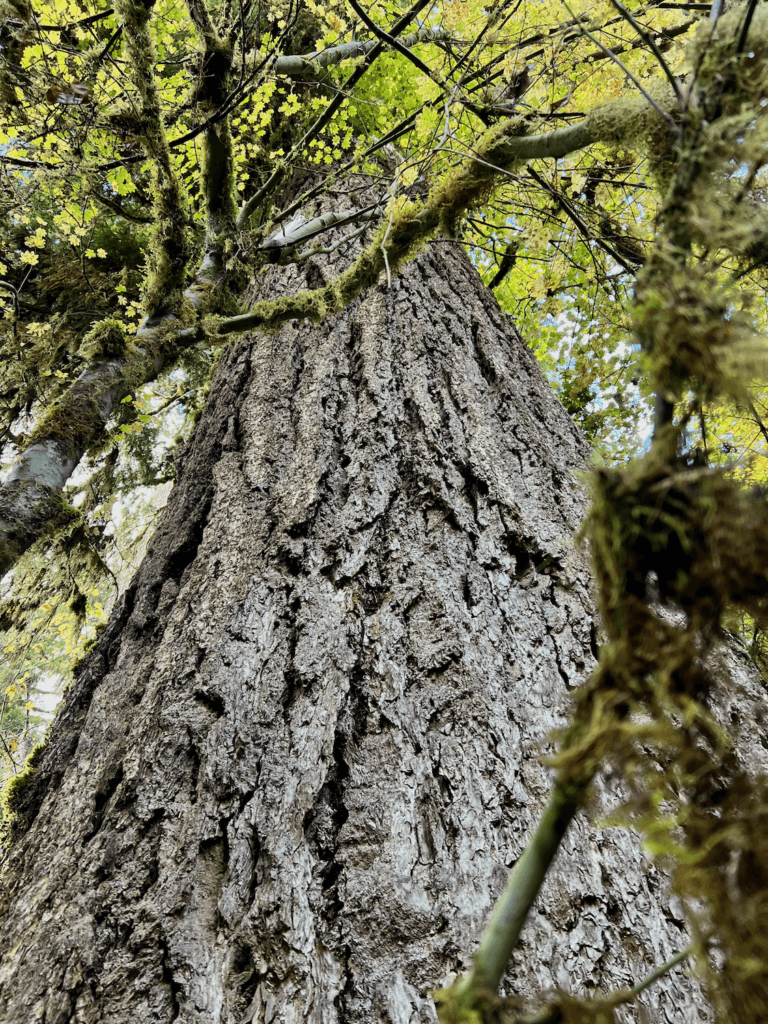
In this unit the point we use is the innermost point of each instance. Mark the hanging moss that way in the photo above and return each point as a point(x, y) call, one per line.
point(677, 546)
point(731, 69)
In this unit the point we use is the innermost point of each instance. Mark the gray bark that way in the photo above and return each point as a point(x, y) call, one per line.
point(308, 66)
point(290, 781)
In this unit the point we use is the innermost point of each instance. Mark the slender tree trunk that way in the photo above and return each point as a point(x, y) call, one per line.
point(290, 781)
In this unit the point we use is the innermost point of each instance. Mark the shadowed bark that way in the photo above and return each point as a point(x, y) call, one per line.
point(291, 779)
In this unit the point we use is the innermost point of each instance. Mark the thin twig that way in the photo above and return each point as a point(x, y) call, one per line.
point(317, 251)
point(314, 130)
point(554, 1015)
point(758, 421)
point(567, 209)
point(745, 27)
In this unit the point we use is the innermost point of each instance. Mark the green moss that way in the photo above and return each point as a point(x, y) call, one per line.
point(75, 420)
point(107, 339)
point(632, 122)
point(691, 327)
point(729, 77)
point(88, 647)
point(168, 250)
point(12, 798)
point(52, 515)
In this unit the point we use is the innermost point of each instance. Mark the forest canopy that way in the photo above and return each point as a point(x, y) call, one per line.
point(604, 167)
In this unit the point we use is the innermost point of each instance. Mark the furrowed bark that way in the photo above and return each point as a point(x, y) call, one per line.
point(514, 905)
point(289, 782)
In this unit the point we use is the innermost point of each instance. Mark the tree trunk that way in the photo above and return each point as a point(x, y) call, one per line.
point(289, 782)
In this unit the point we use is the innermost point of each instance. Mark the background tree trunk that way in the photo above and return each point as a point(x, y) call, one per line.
point(290, 781)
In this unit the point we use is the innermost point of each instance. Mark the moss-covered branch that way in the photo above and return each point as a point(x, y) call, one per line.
point(214, 89)
point(169, 250)
point(667, 532)
point(78, 421)
point(31, 505)
point(499, 151)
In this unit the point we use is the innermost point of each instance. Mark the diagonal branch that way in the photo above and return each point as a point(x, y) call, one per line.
point(522, 888)
point(633, 78)
point(582, 226)
point(287, 238)
point(391, 41)
point(649, 41)
point(308, 65)
point(462, 1000)
point(554, 1015)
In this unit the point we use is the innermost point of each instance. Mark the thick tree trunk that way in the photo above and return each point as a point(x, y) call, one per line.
point(290, 781)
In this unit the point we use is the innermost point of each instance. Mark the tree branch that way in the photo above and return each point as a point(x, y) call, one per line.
point(309, 64)
point(525, 880)
point(217, 167)
point(553, 1015)
point(168, 249)
point(391, 41)
point(651, 43)
point(287, 238)
point(29, 497)
point(466, 994)
point(583, 227)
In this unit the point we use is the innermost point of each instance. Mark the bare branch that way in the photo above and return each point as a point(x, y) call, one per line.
point(309, 64)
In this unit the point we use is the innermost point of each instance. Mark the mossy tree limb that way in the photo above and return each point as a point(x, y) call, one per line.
point(212, 93)
point(499, 151)
point(30, 496)
point(169, 247)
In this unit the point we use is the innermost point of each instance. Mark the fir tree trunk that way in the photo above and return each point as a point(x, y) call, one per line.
point(291, 779)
